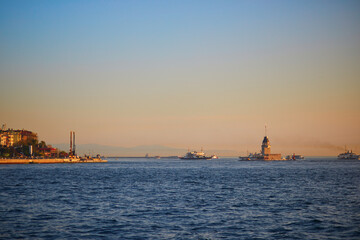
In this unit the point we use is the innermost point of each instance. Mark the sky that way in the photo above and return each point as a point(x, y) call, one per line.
point(184, 74)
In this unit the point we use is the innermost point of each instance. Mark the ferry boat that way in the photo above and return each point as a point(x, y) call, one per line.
point(194, 155)
point(348, 155)
point(294, 157)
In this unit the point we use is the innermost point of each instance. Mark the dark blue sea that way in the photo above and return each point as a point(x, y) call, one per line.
point(315, 198)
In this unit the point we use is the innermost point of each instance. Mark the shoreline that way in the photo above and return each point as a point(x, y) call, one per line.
point(50, 160)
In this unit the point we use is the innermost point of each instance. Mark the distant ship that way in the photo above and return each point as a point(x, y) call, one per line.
point(348, 155)
point(294, 157)
point(195, 156)
point(156, 157)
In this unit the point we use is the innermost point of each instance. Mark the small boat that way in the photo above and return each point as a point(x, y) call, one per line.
point(294, 157)
point(252, 157)
point(195, 156)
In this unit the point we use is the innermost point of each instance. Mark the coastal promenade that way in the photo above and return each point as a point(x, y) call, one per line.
point(51, 160)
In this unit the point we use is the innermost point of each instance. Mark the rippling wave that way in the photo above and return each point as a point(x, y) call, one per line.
point(174, 199)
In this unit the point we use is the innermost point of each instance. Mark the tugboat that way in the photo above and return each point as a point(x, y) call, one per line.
point(195, 156)
point(348, 155)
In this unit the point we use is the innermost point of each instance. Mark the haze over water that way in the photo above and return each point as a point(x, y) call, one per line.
point(183, 73)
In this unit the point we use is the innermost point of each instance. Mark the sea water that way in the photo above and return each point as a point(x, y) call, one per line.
point(315, 198)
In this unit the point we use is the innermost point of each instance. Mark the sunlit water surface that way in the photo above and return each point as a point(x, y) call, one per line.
point(316, 198)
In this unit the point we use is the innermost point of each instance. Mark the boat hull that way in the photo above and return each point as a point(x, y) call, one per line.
point(349, 158)
point(205, 158)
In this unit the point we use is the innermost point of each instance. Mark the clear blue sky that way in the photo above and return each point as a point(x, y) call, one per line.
point(155, 72)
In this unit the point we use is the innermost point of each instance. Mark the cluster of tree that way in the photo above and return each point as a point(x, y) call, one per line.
point(23, 149)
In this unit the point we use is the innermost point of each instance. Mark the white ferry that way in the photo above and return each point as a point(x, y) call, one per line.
point(194, 155)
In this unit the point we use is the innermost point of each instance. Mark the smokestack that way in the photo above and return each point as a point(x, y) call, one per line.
point(74, 143)
point(71, 144)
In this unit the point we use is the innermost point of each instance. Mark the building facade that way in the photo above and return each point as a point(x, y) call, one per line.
point(49, 151)
point(10, 137)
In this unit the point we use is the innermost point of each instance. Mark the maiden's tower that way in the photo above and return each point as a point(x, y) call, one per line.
point(265, 153)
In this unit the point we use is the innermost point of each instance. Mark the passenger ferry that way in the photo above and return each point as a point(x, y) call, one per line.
point(194, 155)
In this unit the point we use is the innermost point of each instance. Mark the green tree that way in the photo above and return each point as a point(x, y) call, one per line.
point(42, 144)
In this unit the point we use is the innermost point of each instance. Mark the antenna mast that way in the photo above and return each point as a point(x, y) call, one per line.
point(70, 152)
point(74, 152)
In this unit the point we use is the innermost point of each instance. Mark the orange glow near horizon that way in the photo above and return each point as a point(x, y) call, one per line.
point(210, 76)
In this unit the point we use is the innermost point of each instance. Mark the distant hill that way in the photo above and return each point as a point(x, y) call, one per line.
point(152, 150)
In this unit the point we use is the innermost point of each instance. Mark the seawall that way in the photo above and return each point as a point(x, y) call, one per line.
point(51, 160)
